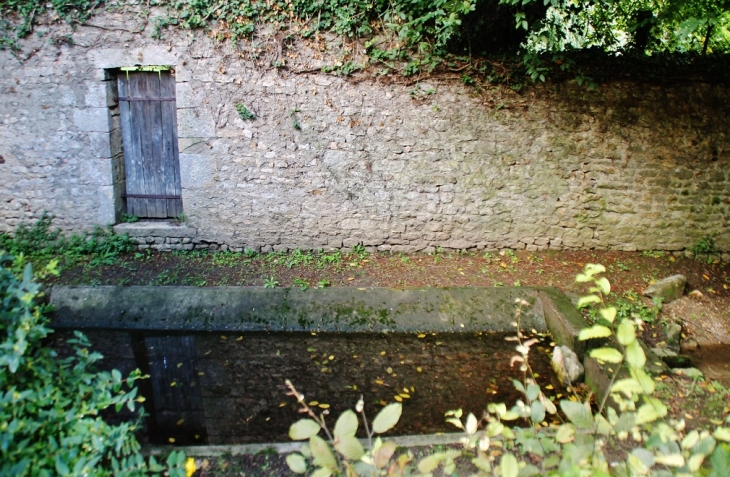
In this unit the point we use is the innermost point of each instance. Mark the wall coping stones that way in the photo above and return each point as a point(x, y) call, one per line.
point(155, 229)
point(292, 309)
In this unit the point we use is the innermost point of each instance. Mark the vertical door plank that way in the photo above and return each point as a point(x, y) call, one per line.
point(153, 164)
point(131, 142)
point(170, 147)
point(145, 126)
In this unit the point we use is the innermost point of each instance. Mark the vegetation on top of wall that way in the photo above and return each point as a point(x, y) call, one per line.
point(528, 39)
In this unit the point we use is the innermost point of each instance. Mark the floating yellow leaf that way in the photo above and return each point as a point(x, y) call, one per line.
point(331, 357)
point(209, 351)
point(382, 353)
point(180, 422)
point(314, 403)
point(200, 373)
point(419, 369)
point(349, 279)
point(404, 396)
point(324, 406)
point(705, 276)
point(422, 335)
point(413, 390)
point(405, 390)
point(362, 289)
point(171, 440)
point(173, 384)
point(398, 398)
point(314, 334)
point(383, 403)
point(549, 386)
point(379, 381)
point(239, 338)
point(179, 365)
point(354, 387)
point(224, 338)
point(282, 404)
point(389, 370)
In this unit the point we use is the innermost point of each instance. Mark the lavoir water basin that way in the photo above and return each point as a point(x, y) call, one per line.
point(218, 357)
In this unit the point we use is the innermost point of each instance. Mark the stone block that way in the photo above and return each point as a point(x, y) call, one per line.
point(195, 122)
point(106, 213)
point(187, 96)
point(196, 170)
point(97, 171)
point(100, 144)
point(150, 230)
point(117, 57)
point(567, 365)
point(667, 289)
point(92, 119)
point(96, 94)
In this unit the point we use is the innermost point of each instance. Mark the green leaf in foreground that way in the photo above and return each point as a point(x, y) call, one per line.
point(509, 466)
point(387, 418)
point(296, 463)
point(321, 453)
point(578, 413)
point(349, 447)
point(303, 429)
point(346, 424)
point(595, 331)
point(608, 355)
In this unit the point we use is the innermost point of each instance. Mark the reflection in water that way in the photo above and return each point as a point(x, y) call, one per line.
point(226, 389)
point(175, 402)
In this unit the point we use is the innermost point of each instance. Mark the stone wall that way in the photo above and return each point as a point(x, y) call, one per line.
point(332, 162)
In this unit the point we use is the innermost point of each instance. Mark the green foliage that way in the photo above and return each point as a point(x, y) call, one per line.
point(39, 243)
point(584, 40)
point(271, 282)
point(350, 457)
point(50, 408)
point(244, 112)
point(73, 12)
point(636, 420)
point(704, 246)
point(129, 219)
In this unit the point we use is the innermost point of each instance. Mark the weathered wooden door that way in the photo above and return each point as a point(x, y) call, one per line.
point(149, 137)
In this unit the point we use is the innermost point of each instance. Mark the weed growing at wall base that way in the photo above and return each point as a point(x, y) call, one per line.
point(39, 243)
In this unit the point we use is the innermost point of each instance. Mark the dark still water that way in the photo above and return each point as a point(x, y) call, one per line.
point(212, 388)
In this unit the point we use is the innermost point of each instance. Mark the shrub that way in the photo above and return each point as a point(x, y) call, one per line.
point(654, 445)
point(50, 408)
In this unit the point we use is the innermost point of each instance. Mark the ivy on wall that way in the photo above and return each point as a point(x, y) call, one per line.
point(529, 39)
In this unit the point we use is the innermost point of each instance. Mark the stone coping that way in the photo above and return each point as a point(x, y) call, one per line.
point(296, 446)
point(156, 229)
point(293, 309)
